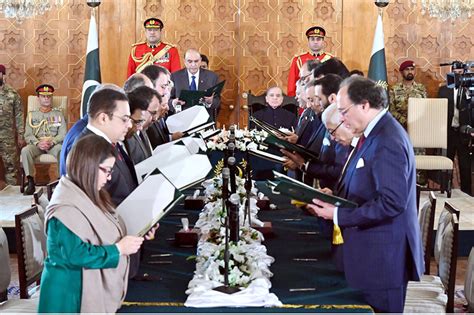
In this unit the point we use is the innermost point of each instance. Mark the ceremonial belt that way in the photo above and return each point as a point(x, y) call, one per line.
point(148, 58)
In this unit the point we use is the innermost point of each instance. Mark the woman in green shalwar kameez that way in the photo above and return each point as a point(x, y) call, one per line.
point(87, 264)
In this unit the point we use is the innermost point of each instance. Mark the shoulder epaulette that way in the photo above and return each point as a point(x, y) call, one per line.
point(329, 54)
point(139, 43)
point(300, 54)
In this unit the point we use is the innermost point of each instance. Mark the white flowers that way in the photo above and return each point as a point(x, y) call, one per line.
point(244, 139)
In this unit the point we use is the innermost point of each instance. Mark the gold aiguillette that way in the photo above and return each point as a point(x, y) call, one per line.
point(291, 220)
point(160, 262)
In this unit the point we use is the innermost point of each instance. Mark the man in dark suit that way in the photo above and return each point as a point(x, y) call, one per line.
point(382, 242)
point(144, 101)
point(458, 142)
point(192, 77)
point(321, 93)
point(109, 117)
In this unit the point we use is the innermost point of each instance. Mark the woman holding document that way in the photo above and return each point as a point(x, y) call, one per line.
point(87, 264)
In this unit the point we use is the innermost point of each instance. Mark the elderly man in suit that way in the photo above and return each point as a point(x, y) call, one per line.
point(382, 243)
point(193, 77)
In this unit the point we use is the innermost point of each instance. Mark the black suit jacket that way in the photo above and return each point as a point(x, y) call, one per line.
point(207, 79)
point(137, 149)
point(124, 177)
point(158, 133)
point(464, 115)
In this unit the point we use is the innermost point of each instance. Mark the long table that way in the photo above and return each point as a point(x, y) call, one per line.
point(163, 287)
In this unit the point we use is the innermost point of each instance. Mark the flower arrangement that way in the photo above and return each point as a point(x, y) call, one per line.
point(244, 139)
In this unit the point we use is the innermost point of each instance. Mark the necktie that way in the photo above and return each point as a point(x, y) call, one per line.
point(117, 151)
point(361, 142)
point(192, 86)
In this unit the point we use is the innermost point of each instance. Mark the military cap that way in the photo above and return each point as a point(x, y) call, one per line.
point(2, 69)
point(315, 31)
point(153, 23)
point(406, 64)
point(45, 89)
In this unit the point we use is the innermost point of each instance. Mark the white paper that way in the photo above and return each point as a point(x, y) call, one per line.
point(268, 156)
point(146, 204)
point(187, 119)
point(179, 163)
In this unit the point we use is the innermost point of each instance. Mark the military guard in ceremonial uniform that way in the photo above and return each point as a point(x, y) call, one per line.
point(153, 51)
point(315, 37)
point(44, 133)
point(11, 128)
point(400, 92)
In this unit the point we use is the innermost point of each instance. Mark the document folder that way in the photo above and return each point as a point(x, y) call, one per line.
point(148, 203)
point(302, 192)
point(192, 98)
point(283, 144)
point(188, 119)
point(267, 156)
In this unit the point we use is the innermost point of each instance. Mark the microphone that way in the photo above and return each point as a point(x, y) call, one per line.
point(231, 162)
point(225, 183)
point(445, 64)
point(234, 218)
point(230, 149)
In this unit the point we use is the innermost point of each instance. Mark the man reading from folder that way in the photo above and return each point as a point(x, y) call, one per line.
point(382, 243)
point(194, 78)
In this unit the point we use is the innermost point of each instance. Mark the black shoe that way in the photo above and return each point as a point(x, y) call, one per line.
point(30, 189)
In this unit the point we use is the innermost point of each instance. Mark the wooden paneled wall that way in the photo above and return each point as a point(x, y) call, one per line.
point(250, 43)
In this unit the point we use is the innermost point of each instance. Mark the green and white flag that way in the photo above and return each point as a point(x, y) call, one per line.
point(378, 66)
point(92, 73)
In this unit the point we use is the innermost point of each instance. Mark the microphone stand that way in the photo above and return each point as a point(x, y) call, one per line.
point(226, 204)
point(248, 189)
point(233, 185)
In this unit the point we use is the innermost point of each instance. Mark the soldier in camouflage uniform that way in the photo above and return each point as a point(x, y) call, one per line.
point(11, 128)
point(44, 133)
point(400, 92)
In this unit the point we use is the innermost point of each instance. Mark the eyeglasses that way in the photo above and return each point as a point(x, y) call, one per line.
point(332, 132)
point(153, 112)
point(125, 119)
point(138, 121)
point(107, 171)
point(275, 95)
point(344, 111)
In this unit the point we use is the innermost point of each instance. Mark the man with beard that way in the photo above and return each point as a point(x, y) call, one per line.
point(400, 92)
point(12, 128)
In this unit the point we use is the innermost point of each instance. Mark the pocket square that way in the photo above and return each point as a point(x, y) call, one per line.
point(326, 142)
point(360, 163)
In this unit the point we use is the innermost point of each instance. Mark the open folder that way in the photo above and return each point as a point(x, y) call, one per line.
point(192, 98)
point(183, 165)
point(188, 120)
point(267, 127)
point(148, 203)
point(267, 156)
point(283, 144)
point(302, 192)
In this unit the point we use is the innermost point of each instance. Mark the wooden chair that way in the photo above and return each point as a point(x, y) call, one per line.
point(469, 282)
point(427, 128)
point(11, 306)
point(426, 218)
point(435, 294)
point(50, 188)
point(31, 248)
point(59, 102)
